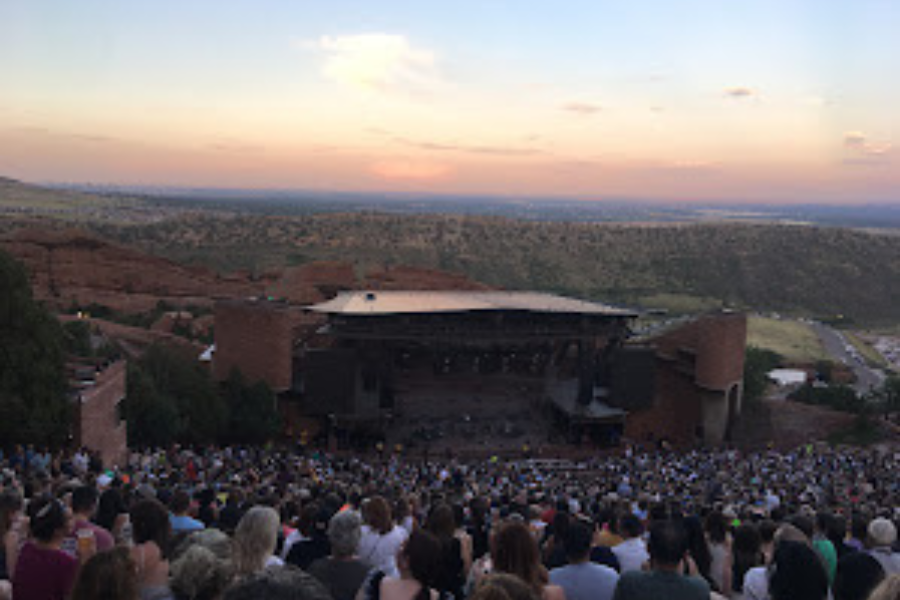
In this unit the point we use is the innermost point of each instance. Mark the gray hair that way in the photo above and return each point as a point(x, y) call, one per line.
point(278, 583)
point(199, 574)
point(255, 539)
point(212, 539)
point(344, 533)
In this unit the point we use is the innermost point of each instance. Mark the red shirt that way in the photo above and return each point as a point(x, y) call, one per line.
point(43, 574)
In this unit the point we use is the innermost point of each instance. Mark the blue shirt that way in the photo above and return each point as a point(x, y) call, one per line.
point(586, 581)
point(185, 523)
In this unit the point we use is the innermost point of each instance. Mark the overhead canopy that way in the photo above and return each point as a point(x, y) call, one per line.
point(401, 302)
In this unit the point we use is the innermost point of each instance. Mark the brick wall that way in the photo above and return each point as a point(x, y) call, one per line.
point(99, 427)
point(256, 337)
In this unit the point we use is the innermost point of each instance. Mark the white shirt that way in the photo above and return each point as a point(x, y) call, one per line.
point(756, 584)
point(378, 551)
point(632, 554)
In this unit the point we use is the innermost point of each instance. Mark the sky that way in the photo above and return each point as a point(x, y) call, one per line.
point(688, 100)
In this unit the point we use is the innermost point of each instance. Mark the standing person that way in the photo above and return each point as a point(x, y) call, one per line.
point(720, 551)
point(668, 548)
point(746, 554)
point(151, 531)
point(441, 523)
point(381, 538)
point(255, 540)
point(181, 521)
point(44, 571)
point(632, 553)
point(112, 512)
point(582, 579)
point(84, 505)
point(11, 534)
point(110, 575)
point(342, 572)
point(515, 551)
point(418, 563)
point(882, 536)
point(797, 573)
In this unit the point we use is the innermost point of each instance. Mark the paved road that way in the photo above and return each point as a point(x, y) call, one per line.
point(841, 350)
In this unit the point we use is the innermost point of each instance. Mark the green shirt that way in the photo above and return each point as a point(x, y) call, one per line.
point(825, 549)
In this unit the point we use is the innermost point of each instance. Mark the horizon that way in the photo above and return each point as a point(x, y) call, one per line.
point(704, 102)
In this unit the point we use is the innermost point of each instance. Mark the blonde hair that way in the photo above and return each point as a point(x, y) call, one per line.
point(254, 540)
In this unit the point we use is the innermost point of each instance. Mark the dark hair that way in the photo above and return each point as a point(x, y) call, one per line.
point(423, 551)
point(767, 529)
point(110, 506)
point(578, 540)
point(179, 502)
point(858, 573)
point(797, 573)
point(514, 551)
point(47, 517)
point(804, 524)
point(107, 576)
point(377, 515)
point(441, 521)
point(746, 551)
point(10, 502)
point(84, 499)
point(698, 548)
point(150, 523)
point(281, 583)
point(716, 527)
point(630, 526)
point(668, 542)
point(503, 586)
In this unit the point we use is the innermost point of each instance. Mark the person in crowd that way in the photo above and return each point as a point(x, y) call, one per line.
point(823, 546)
point(668, 547)
point(798, 573)
point(84, 506)
point(746, 554)
point(716, 529)
point(582, 579)
point(699, 557)
point(108, 575)
point(515, 551)
point(381, 537)
point(441, 523)
point(277, 583)
point(418, 566)
point(310, 542)
point(234, 509)
point(632, 552)
point(43, 571)
point(888, 589)
point(198, 573)
point(12, 532)
point(151, 532)
point(255, 540)
point(342, 573)
point(503, 586)
point(856, 576)
point(881, 539)
point(182, 522)
point(554, 548)
point(112, 513)
point(757, 579)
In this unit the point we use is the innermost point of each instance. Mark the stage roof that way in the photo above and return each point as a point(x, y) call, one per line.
point(370, 303)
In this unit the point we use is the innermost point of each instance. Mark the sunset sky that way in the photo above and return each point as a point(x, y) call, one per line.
point(752, 100)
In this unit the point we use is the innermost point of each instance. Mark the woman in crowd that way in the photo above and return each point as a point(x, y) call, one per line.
point(255, 540)
point(418, 566)
point(112, 513)
point(797, 573)
point(699, 555)
point(719, 550)
point(442, 524)
point(43, 571)
point(515, 551)
point(746, 554)
point(11, 533)
point(381, 537)
point(151, 531)
point(110, 575)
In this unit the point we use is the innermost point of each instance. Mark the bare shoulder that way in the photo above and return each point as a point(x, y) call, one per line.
point(553, 592)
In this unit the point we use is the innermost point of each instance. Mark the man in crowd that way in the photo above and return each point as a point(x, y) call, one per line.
point(582, 579)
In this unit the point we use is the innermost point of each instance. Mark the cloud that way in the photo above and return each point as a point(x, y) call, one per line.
point(376, 61)
point(409, 170)
point(582, 108)
point(857, 141)
point(739, 92)
point(482, 149)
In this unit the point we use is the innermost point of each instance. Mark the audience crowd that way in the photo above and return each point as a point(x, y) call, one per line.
point(240, 523)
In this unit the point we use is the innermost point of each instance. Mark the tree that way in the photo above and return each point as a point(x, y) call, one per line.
point(152, 417)
point(253, 415)
point(33, 404)
point(757, 364)
point(202, 412)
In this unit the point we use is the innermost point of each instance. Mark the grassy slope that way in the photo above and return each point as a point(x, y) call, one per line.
point(795, 341)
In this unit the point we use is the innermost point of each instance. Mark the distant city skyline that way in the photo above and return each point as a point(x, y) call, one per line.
point(696, 100)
